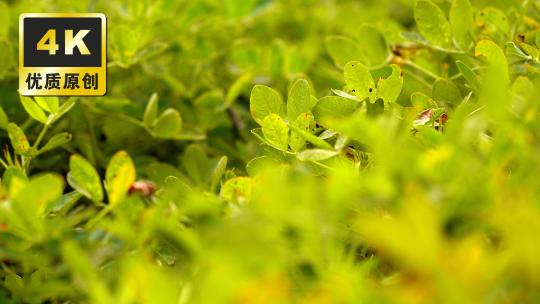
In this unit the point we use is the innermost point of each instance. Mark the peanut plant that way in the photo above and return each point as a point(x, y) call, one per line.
point(268, 151)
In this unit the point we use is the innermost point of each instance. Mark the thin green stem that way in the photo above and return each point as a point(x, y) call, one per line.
point(40, 136)
point(422, 69)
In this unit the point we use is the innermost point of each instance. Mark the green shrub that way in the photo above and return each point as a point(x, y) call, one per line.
point(280, 152)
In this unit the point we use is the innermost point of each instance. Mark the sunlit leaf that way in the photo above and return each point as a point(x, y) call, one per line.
point(84, 178)
point(119, 176)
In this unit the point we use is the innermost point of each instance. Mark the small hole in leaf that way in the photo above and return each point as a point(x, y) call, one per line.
point(370, 90)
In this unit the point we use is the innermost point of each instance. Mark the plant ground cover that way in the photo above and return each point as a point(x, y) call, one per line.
point(258, 151)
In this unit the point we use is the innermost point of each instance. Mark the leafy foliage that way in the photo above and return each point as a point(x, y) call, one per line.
point(280, 152)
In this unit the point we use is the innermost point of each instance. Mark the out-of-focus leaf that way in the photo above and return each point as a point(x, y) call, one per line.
point(218, 172)
point(468, 74)
point(84, 178)
point(494, 56)
point(446, 91)
point(374, 47)
point(462, 22)
point(493, 20)
point(151, 111)
point(5, 17)
point(334, 107)
point(196, 164)
point(343, 50)
point(237, 190)
point(237, 88)
point(432, 23)
point(37, 195)
point(168, 124)
point(3, 119)
point(119, 176)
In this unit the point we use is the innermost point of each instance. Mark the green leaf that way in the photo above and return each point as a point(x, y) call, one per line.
point(311, 138)
point(421, 100)
point(237, 190)
point(196, 163)
point(316, 155)
point(359, 80)
point(432, 23)
point(56, 141)
point(84, 178)
point(237, 88)
point(6, 57)
point(300, 99)
point(151, 111)
point(168, 124)
point(5, 13)
point(493, 21)
point(265, 101)
point(18, 139)
point(64, 108)
point(36, 197)
point(343, 50)
point(374, 48)
point(389, 89)
point(3, 119)
point(49, 104)
point(33, 109)
point(446, 91)
point(462, 22)
point(276, 132)
point(468, 74)
point(119, 176)
point(304, 121)
point(219, 170)
point(494, 56)
point(330, 107)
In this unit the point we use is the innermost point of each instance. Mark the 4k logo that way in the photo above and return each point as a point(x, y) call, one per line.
point(62, 54)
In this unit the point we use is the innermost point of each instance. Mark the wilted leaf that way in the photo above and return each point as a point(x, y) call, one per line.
point(119, 176)
point(18, 139)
